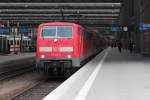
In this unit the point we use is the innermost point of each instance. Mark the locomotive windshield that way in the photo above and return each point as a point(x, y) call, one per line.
point(57, 32)
point(49, 31)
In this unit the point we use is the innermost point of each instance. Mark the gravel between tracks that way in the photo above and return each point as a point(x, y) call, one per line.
point(14, 86)
point(41, 90)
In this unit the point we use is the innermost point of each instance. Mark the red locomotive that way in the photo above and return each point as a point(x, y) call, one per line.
point(63, 46)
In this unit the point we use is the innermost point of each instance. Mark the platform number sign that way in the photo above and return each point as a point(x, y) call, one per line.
point(144, 27)
point(24, 29)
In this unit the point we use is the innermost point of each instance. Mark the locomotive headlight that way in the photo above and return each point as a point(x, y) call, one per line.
point(43, 56)
point(55, 40)
point(69, 56)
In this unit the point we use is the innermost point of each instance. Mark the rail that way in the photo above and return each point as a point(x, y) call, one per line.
point(15, 72)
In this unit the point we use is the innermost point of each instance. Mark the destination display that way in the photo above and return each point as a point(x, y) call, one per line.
point(24, 29)
point(116, 29)
point(144, 27)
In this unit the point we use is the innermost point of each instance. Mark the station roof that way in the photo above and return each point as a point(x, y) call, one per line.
point(91, 12)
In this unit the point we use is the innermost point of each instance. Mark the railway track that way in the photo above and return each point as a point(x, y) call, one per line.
point(40, 90)
point(12, 72)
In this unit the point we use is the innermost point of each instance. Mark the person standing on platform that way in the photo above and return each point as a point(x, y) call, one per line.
point(8, 48)
point(131, 47)
point(119, 46)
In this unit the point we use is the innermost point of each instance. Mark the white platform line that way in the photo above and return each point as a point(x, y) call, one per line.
point(88, 84)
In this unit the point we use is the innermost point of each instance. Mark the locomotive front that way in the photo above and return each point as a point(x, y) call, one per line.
point(56, 46)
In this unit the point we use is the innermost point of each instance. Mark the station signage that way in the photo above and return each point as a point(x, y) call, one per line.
point(144, 28)
point(4, 30)
point(116, 29)
point(122, 28)
point(24, 30)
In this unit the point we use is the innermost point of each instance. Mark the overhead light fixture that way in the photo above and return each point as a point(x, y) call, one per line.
point(26, 6)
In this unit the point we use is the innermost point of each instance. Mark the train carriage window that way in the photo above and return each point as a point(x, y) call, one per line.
point(64, 31)
point(23, 42)
point(88, 35)
point(49, 31)
point(8, 42)
point(28, 42)
point(11, 42)
point(17, 42)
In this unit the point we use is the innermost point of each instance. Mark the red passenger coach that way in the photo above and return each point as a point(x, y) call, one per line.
point(63, 46)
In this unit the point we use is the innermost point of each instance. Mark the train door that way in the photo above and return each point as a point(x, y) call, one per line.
point(3, 44)
point(8, 46)
point(0, 43)
point(11, 45)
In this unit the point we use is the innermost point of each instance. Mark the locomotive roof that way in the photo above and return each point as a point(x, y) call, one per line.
point(59, 23)
point(67, 23)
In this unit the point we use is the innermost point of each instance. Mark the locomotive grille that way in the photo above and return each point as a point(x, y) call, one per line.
point(57, 63)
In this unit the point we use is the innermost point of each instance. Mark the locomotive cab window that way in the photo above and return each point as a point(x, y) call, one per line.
point(48, 32)
point(57, 32)
point(64, 31)
point(18, 42)
point(11, 42)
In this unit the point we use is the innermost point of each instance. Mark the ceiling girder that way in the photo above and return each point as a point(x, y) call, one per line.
point(87, 13)
point(78, 11)
point(58, 15)
point(61, 4)
point(58, 18)
point(49, 20)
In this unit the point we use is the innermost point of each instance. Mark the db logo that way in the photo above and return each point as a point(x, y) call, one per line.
point(55, 49)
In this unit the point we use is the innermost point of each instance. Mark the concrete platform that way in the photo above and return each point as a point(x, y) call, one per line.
point(11, 57)
point(109, 76)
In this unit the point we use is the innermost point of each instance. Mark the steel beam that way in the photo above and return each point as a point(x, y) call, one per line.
point(90, 24)
point(80, 11)
point(119, 4)
point(90, 21)
point(53, 18)
point(58, 15)
point(35, 12)
point(59, 19)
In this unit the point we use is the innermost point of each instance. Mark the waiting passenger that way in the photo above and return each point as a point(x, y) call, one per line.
point(8, 48)
point(131, 47)
point(119, 46)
